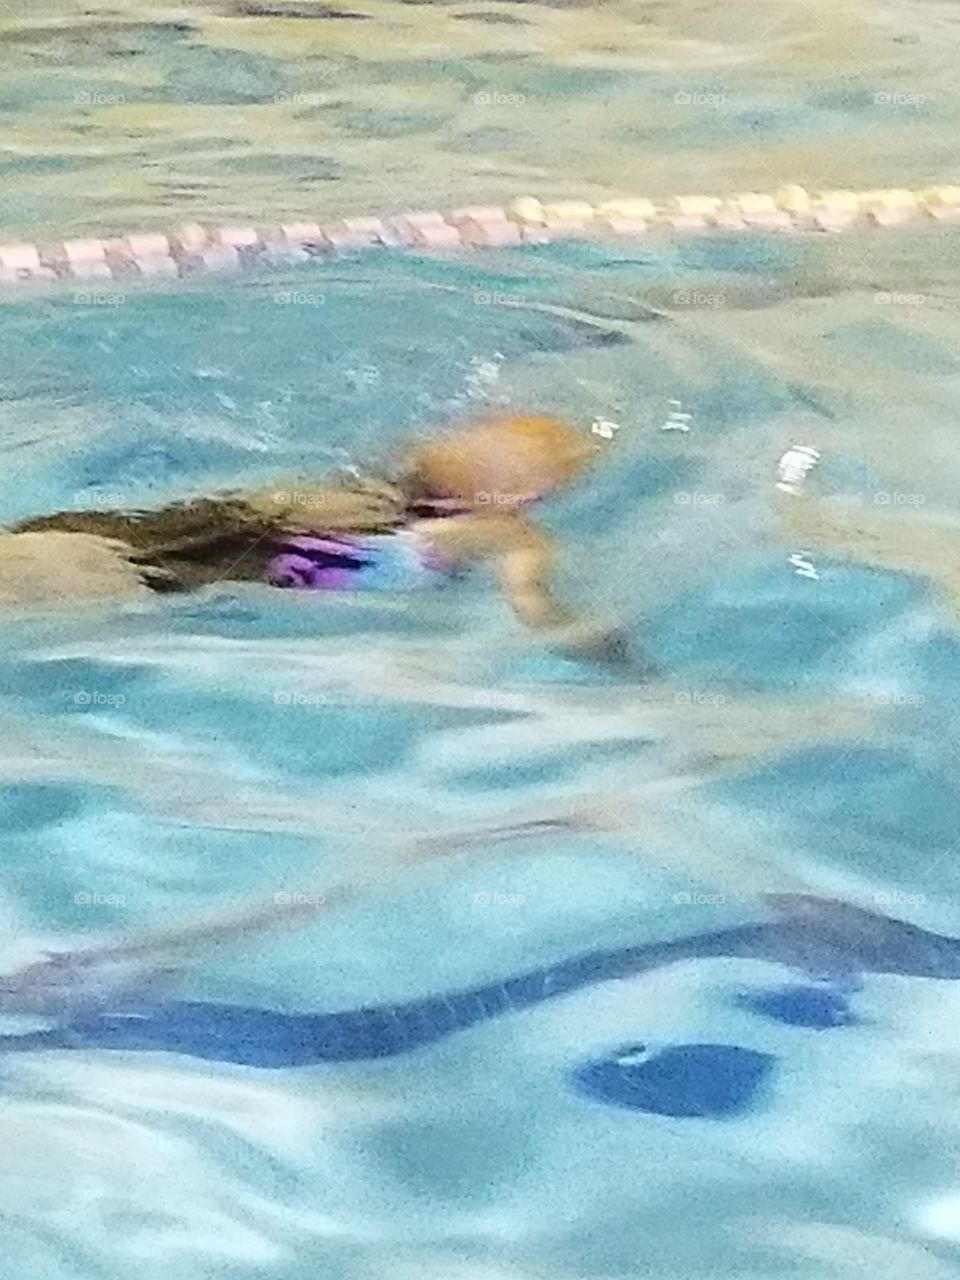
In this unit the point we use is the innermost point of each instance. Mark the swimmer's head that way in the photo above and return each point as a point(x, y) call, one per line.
point(502, 463)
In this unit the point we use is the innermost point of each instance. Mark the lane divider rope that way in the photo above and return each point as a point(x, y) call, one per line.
point(525, 221)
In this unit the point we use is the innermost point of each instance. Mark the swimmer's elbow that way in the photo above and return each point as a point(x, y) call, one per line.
point(539, 610)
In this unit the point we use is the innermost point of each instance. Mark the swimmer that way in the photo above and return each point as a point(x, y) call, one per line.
point(453, 504)
point(895, 539)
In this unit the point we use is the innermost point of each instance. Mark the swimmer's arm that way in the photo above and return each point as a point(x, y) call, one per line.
point(521, 556)
point(523, 560)
point(524, 574)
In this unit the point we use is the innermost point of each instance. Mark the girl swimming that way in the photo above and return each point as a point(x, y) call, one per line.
point(453, 504)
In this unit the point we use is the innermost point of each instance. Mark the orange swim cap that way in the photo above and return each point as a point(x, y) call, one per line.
point(504, 461)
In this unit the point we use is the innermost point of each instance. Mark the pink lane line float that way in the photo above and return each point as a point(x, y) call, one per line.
point(526, 221)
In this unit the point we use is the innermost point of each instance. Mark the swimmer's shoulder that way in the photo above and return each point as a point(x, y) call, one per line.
point(475, 536)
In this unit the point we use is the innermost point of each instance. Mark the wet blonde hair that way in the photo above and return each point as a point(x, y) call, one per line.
point(502, 460)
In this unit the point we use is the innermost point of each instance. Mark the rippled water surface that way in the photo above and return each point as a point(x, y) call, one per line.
point(480, 1103)
point(128, 115)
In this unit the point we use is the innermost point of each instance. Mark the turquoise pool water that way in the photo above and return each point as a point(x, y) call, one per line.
point(192, 757)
